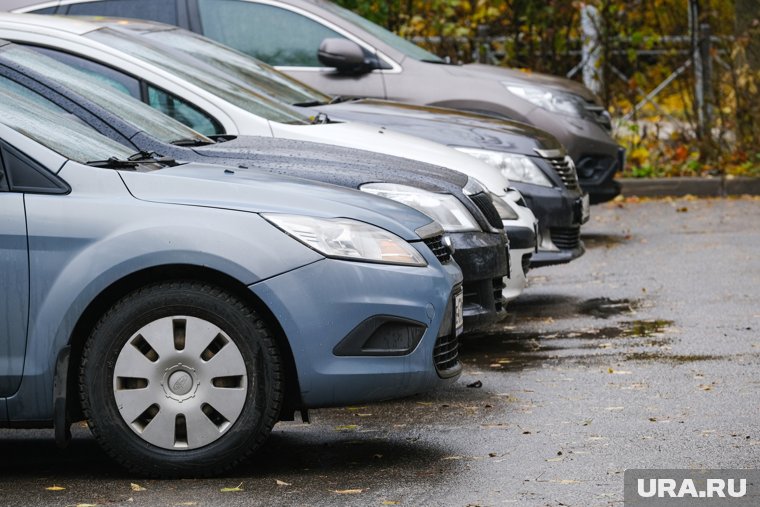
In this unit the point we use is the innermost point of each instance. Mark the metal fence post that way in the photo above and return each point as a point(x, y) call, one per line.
point(705, 52)
point(591, 50)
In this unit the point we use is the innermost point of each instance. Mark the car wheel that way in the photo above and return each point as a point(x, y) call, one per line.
point(180, 379)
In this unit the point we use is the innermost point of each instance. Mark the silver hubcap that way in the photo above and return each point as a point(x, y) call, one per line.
point(180, 382)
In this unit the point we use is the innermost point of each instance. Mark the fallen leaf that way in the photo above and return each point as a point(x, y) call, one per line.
point(614, 409)
point(136, 487)
point(87, 505)
point(476, 385)
point(347, 427)
point(553, 460)
point(390, 502)
point(239, 487)
point(55, 488)
point(282, 483)
point(348, 491)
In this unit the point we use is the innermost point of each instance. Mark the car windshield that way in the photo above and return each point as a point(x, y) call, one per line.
point(398, 43)
point(201, 75)
point(259, 75)
point(24, 111)
point(100, 91)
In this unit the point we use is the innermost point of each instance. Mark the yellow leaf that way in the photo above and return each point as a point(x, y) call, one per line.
point(348, 491)
point(55, 488)
point(347, 427)
point(239, 487)
point(136, 487)
point(282, 483)
point(87, 505)
point(390, 502)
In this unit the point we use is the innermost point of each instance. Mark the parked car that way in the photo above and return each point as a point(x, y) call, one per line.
point(211, 103)
point(466, 213)
point(534, 161)
point(343, 54)
point(183, 309)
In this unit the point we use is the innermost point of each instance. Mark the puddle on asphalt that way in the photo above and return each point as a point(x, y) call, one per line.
point(543, 306)
point(604, 308)
point(508, 350)
point(604, 240)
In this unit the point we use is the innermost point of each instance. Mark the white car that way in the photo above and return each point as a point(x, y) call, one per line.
point(205, 100)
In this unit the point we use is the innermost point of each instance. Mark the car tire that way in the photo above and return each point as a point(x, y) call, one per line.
point(180, 379)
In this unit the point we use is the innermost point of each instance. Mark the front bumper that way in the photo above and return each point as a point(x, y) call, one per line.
point(522, 247)
point(484, 262)
point(558, 211)
point(596, 155)
point(320, 304)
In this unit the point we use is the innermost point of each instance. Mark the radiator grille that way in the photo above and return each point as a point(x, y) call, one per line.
point(485, 205)
point(440, 250)
point(566, 170)
point(566, 238)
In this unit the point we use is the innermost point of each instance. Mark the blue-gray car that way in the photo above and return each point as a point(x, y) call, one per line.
point(183, 309)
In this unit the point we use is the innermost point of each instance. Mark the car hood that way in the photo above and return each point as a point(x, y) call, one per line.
point(331, 164)
point(221, 187)
point(445, 126)
point(362, 136)
point(481, 71)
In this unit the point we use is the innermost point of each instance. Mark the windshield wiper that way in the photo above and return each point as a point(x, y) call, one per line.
point(320, 119)
point(311, 103)
point(113, 163)
point(139, 158)
point(191, 142)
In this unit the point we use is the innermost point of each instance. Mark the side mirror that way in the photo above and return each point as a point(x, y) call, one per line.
point(345, 55)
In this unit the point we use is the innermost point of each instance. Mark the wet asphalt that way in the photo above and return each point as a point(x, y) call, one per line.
point(644, 353)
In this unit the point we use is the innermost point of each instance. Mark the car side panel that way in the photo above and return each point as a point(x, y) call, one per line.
point(14, 281)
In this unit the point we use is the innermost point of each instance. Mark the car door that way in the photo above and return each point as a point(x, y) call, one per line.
point(14, 277)
point(285, 37)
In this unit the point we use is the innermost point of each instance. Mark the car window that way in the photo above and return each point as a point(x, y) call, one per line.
point(72, 140)
point(272, 34)
point(259, 75)
point(183, 112)
point(200, 74)
point(3, 179)
point(46, 10)
point(100, 73)
point(164, 11)
point(398, 43)
point(103, 86)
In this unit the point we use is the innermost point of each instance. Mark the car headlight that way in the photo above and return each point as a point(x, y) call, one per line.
point(513, 167)
point(343, 238)
point(445, 209)
point(551, 100)
point(505, 210)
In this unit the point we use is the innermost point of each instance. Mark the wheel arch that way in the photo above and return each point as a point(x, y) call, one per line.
point(120, 288)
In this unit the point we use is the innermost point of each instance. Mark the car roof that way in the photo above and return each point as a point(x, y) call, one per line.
point(62, 23)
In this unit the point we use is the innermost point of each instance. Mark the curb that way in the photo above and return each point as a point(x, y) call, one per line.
point(679, 187)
